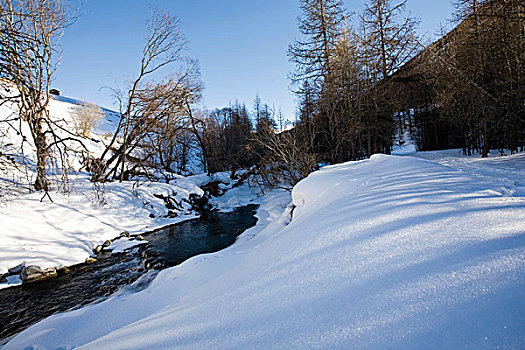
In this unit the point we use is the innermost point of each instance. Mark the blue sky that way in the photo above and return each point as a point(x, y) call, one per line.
point(241, 46)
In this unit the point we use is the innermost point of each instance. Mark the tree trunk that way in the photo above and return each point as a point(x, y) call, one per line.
point(486, 141)
point(41, 183)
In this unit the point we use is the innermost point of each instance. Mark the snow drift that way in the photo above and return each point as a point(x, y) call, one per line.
point(392, 252)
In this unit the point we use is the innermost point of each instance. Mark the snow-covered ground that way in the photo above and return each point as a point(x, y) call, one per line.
point(64, 232)
point(392, 252)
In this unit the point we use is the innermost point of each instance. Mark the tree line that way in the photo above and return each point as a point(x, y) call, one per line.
point(366, 83)
point(342, 75)
point(363, 81)
point(477, 76)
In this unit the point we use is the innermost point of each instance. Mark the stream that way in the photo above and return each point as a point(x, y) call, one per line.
point(27, 304)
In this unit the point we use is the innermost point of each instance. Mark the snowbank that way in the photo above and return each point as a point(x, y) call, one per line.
point(392, 252)
point(65, 232)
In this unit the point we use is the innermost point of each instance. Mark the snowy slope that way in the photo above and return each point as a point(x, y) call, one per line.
point(391, 252)
point(107, 125)
point(20, 145)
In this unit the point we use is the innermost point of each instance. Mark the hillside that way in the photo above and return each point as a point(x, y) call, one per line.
point(392, 252)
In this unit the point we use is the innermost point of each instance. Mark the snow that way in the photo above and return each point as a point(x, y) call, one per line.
point(105, 126)
point(404, 145)
point(404, 150)
point(391, 252)
point(123, 244)
point(236, 197)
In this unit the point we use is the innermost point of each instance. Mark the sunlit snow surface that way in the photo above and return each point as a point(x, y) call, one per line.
point(64, 232)
point(387, 253)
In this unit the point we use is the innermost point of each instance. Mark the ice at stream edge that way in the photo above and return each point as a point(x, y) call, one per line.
point(12, 281)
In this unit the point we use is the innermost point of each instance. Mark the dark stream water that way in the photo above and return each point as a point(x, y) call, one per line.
point(25, 305)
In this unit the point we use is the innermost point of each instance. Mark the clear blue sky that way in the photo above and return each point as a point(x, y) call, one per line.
point(241, 46)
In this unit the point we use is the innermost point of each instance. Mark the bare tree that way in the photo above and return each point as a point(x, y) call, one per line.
point(389, 41)
point(347, 86)
point(29, 54)
point(392, 39)
point(86, 118)
point(284, 159)
point(148, 104)
point(477, 74)
point(223, 136)
point(321, 25)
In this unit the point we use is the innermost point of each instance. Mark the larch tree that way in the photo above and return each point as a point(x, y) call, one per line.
point(257, 109)
point(349, 85)
point(482, 94)
point(390, 36)
point(389, 40)
point(322, 24)
point(476, 72)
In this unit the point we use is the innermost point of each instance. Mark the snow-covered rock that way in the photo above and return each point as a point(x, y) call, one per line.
point(35, 273)
point(123, 244)
point(67, 231)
